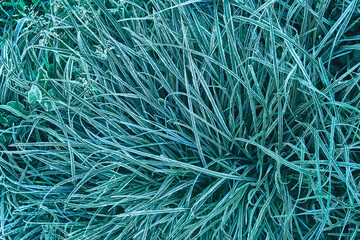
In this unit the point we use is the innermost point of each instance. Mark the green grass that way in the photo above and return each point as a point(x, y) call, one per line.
point(181, 120)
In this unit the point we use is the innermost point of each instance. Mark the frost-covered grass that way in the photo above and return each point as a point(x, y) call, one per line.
point(181, 120)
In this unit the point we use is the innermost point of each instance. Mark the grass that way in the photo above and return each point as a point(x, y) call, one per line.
point(181, 120)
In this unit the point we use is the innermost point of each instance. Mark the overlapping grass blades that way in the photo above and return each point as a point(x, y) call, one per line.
point(182, 120)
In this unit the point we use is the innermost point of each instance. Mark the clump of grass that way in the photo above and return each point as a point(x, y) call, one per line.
point(182, 120)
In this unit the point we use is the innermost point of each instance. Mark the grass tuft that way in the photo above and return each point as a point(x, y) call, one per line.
point(180, 120)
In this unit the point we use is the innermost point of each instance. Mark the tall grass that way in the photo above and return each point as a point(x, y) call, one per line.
point(182, 120)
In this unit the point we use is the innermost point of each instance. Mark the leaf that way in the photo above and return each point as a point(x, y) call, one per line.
point(16, 108)
point(16, 105)
point(52, 92)
point(34, 94)
point(3, 139)
point(41, 74)
point(4, 121)
point(47, 106)
point(41, 77)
